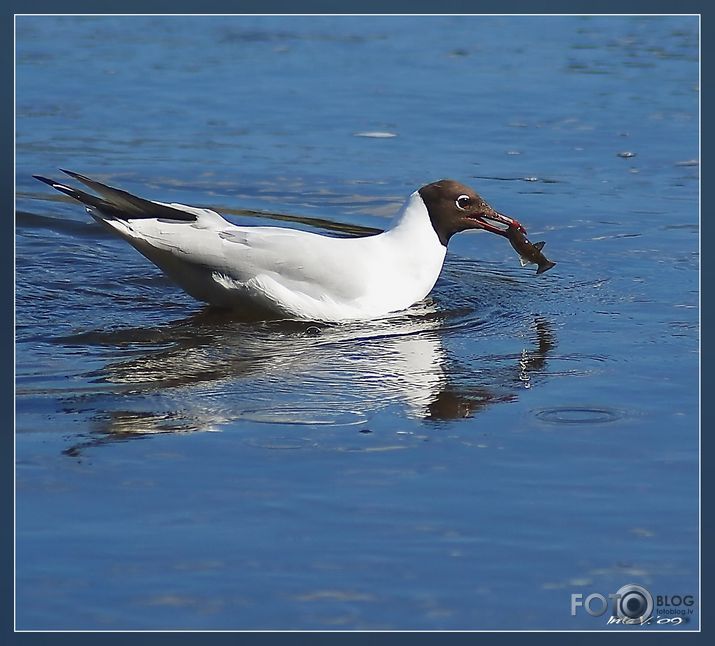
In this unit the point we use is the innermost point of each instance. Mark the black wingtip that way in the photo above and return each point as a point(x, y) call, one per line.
point(117, 203)
point(81, 196)
point(50, 182)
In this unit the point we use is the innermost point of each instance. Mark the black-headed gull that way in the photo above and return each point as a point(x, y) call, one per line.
point(288, 272)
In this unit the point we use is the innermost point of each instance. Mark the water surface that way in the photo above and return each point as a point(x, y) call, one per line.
point(467, 464)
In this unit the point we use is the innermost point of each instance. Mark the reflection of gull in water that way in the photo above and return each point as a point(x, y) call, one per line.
point(209, 371)
point(399, 359)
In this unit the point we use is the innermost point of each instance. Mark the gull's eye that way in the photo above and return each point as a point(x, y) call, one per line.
point(463, 201)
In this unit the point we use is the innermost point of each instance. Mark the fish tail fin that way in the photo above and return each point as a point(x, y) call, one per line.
point(545, 267)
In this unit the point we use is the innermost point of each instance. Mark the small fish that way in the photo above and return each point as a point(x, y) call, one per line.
point(528, 252)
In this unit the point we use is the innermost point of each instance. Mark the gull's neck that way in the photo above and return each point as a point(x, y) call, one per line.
point(413, 222)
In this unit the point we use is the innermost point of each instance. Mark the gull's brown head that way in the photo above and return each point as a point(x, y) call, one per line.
point(454, 207)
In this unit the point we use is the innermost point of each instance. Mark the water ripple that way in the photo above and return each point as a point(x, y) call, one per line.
point(578, 415)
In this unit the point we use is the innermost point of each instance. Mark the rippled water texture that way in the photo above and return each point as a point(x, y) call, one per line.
point(469, 463)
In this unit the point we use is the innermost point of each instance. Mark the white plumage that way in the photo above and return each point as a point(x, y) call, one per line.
point(292, 273)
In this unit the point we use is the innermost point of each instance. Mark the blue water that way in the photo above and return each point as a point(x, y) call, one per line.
point(469, 464)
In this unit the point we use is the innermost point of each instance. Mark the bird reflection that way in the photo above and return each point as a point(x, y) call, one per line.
point(505, 383)
point(204, 372)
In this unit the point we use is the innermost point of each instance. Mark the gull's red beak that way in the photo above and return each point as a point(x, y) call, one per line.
point(496, 222)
